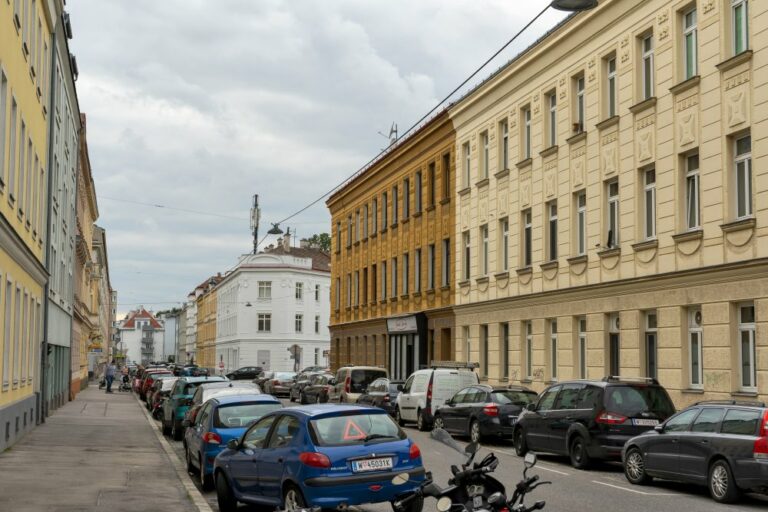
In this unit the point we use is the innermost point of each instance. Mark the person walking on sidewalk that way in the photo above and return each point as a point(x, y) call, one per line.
point(110, 375)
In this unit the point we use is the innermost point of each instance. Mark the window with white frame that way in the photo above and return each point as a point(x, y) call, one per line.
point(527, 237)
point(526, 133)
point(265, 289)
point(692, 201)
point(394, 277)
point(695, 348)
point(264, 322)
point(445, 263)
point(647, 67)
point(612, 189)
point(651, 345)
point(742, 164)
point(504, 244)
point(484, 249)
point(467, 164)
point(417, 271)
point(740, 25)
point(299, 322)
point(580, 106)
point(299, 291)
point(317, 324)
point(690, 49)
point(406, 272)
point(486, 156)
point(611, 87)
point(552, 230)
point(529, 350)
point(649, 204)
point(431, 267)
point(465, 263)
point(504, 148)
point(581, 223)
point(747, 353)
point(582, 346)
point(552, 119)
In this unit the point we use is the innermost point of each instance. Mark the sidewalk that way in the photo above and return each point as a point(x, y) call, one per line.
point(98, 452)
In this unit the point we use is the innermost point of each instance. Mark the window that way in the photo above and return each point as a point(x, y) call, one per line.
point(384, 211)
point(484, 249)
point(708, 420)
point(467, 164)
point(466, 270)
point(504, 360)
point(552, 231)
point(553, 348)
point(395, 203)
point(582, 346)
point(350, 233)
point(581, 223)
point(552, 119)
point(299, 291)
point(264, 322)
point(375, 215)
point(529, 350)
point(446, 263)
point(651, 345)
point(580, 113)
point(365, 221)
point(317, 293)
point(447, 176)
point(649, 204)
point(547, 400)
point(338, 293)
point(485, 160)
point(504, 147)
point(256, 437)
point(739, 26)
point(484, 351)
point(742, 164)
point(7, 334)
point(417, 198)
point(747, 354)
point(3, 114)
point(613, 214)
point(692, 198)
point(504, 244)
point(527, 238)
point(394, 277)
point(365, 285)
point(383, 280)
point(611, 88)
point(695, 350)
point(647, 67)
point(357, 226)
point(680, 422)
point(356, 287)
point(431, 177)
point(374, 279)
point(690, 50)
point(265, 289)
point(431, 267)
point(740, 422)
point(406, 198)
point(467, 343)
point(317, 327)
point(299, 321)
point(349, 290)
point(526, 133)
point(338, 236)
point(417, 271)
point(614, 345)
point(406, 272)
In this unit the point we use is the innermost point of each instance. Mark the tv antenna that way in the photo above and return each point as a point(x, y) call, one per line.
point(392, 134)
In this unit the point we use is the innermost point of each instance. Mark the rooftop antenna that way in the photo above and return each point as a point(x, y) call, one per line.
point(255, 217)
point(392, 134)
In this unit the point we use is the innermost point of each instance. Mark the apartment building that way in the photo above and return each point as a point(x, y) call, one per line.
point(610, 220)
point(392, 278)
point(206, 323)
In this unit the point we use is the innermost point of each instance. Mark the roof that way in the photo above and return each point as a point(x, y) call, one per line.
point(142, 314)
point(250, 397)
point(209, 282)
point(316, 410)
point(195, 380)
point(320, 260)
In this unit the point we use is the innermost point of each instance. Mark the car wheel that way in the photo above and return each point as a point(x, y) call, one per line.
point(175, 432)
point(415, 505)
point(421, 421)
point(205, 480)
point(165, 428)
point(474, 431)
point(303, 399)
point(438, 423)
point(578, 453)
point(399, 418)
point(722, 486)
point(290, 396)
point(190, 466)
point(293, 501)
point(634, 467)
point(224, 495)
point(317, 399)
point(521, 446)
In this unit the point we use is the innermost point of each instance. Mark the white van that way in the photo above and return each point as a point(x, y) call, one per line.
point(426, 390)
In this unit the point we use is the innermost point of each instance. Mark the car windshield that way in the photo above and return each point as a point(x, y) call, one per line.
point(512, 397)
point(284, 375)
point(352, 429)
point(242, 415)
point(360, 379)
point(633, 401)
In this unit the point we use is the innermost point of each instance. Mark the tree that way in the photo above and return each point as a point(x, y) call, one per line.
point(320, 241)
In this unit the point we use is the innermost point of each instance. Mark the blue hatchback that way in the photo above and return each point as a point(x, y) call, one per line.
point(325, 456)
point(219, 420)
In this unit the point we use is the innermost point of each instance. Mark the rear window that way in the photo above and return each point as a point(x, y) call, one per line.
point(512, 397)
point(353, 429)
point(241, 415)
point(284, 376)
point(632, 401)
point(359, 379)
point(740, 422)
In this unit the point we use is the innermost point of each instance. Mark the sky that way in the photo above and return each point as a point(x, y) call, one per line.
point(196, 105)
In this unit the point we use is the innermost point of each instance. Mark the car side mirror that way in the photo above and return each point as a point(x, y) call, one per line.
point(530, 407)
point(332, 382)
point(659, 428)
point(400, 388)
point(232, 444)
point(449, 401)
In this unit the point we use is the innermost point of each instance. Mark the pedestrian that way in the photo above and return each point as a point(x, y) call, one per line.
point(110, 375)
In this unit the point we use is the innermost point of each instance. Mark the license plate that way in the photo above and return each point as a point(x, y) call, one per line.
point(512, 420)
point(645, 423)
point(359, 466)
point(477, 501)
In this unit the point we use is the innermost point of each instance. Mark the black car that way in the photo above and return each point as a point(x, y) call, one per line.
point(301, 381)
point(591, 419)
point(481, 410)
point(246, 372)
point(720, 444)
point(316, 391)
point(382, 393)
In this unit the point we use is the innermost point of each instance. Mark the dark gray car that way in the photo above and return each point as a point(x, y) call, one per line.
point(720, 444)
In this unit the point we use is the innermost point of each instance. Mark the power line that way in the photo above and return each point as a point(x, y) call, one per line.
point(185, 210)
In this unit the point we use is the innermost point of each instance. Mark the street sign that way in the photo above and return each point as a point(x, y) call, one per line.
point(221, 365)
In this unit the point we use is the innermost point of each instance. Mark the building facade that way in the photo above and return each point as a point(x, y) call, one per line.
point(191, 328)
point(206, 323)
point(392, 279)
point(271, 301)
point(610, 220)
point(101, 348)
point(141, 335)
point(25, 72)
point(170, 321)
point(181, 344)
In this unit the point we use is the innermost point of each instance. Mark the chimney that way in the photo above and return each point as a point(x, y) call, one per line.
point(304, 244)
point(287, 242)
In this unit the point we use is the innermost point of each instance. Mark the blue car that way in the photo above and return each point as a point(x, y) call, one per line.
point(324, 456)
point(179, 401)
point(219, 420)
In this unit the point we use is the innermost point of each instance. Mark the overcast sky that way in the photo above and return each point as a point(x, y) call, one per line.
point(199, 104)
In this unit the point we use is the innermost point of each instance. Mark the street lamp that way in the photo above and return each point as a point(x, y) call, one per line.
point(573, 5)
point(275, 229)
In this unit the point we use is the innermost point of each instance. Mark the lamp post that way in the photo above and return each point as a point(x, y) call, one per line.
point(573, 5)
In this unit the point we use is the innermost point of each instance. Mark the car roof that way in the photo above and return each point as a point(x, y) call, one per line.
point(496, 389)
point(612, 381)
point(326, 410)
point(245, 397)
point(363, 368)
point(730, 403)
point(204, 378)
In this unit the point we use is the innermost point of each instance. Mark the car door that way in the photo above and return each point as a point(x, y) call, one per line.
point(562, 416)
point(470, 407)
point(273, 458)
point(196, 431)
point(449, 412)
point(243, 464)
point(172, 399)
point(404, 400)
point(536, 435)
point(697, 444)
point(662, 452)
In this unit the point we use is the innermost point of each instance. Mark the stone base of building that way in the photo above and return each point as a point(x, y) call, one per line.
point(16, 420)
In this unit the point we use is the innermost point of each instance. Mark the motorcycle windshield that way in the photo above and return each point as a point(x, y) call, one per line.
point(444, 437)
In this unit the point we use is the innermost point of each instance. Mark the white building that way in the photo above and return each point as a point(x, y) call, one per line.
point(271, 301)
point(170, 321)
point(191, 328)
point(142, 336)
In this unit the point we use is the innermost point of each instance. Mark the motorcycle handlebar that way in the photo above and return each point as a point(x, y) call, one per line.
point(536, 506)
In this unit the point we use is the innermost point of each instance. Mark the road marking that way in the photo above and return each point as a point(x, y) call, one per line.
point(538, 466)
point(634, 490)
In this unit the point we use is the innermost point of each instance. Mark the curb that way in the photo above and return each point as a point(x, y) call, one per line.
point(181, 471)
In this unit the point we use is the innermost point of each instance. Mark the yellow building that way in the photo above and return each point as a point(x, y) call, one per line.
point(392, 284)
point(206, 324)
point(25, 40)
point(609, 216)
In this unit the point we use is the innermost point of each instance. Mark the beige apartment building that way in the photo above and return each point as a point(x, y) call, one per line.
point(612, 202)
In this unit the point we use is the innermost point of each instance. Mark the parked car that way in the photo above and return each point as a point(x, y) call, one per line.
point(426, 390)
point(178, 402)
point(149, 378)
point(280, 384)
point(351, 381)
point(220, 419)
point(246, 372)
point(156, 379)
point(315, 369)
point(262, 377)
point(591, 419)
point(480, 411)
point(207, 390)
point(298, 385)
point(382, 393)
point(720, 444)
point(318, 456)
point(163, 388)
point(316, 391)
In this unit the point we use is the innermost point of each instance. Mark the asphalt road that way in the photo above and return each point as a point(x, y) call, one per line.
point(603, 488)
